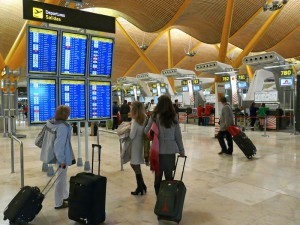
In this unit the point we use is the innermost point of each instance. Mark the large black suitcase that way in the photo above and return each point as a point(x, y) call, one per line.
point(87, 195)
point(26, 204)
point(244, 143)
point(170, 199)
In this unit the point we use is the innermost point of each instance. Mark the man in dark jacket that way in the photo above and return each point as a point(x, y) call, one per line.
point(125, 109)
point(226, 119)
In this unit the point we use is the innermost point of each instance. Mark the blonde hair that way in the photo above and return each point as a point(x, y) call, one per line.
point(138, 112)
point(62, 112)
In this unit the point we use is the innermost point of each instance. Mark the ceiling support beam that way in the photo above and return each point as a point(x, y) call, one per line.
point(257, 37)
point(150, 46)
point(250, 72)
point(249, 21)
point(227, 60)
point(192, 50)
point(226, 31)
point(150, 65)
point(170, 59)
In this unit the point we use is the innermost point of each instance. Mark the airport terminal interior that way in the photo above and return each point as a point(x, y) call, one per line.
point(194, 51)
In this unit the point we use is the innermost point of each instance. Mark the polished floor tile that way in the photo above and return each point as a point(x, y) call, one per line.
point(221, 190)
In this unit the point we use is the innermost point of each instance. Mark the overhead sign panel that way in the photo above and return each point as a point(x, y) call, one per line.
point(42, 50)
point(39, 11)
point(101, 52)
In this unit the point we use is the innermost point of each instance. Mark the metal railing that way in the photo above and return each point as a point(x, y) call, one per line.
point(12, 150)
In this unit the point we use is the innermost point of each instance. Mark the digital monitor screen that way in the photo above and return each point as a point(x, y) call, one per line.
point(163, 90)
point(99, 100)
point(42, 100)
point(42, 50)
point(131, 92)
point(196, 88)
point(119, 93)
point(154, 91)
point(242, 85)
point(227, 86)
point(185, 88)
point(288, 81)
point(73, 54)
point(101, 53)
point(73, 95)
point(138, 91)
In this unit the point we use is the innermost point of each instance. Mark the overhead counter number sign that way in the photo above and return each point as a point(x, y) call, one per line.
point(288, 72)
point(241, 77)
point(225, 78)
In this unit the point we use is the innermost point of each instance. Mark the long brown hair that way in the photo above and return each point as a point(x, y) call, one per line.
point(166, 111)
point(138, 112)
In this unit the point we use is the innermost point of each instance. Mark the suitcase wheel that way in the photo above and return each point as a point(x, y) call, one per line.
point(249, 156)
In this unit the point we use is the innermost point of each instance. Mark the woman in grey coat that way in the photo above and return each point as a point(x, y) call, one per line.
point(170, 138)
point(137, 146)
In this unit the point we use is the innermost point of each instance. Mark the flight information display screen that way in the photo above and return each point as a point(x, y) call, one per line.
point(73, 95)
point(99, 100)
point(73, 54)
point(101, 52)
point(42, 50)
point(42, 100)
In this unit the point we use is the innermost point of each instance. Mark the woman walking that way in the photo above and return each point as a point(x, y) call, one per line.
point(137, 136)
point(170, 139)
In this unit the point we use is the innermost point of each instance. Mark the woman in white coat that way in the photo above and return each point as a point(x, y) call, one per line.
point(137, 137)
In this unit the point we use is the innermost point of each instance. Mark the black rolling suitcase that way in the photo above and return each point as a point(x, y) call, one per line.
point(87, 195)
point(170, 199)
point(244, 143)
point(26, 204)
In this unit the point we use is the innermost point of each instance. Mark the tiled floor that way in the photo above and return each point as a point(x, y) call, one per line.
point(221, 190)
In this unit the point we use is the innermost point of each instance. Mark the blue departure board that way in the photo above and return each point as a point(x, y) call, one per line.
point(73, 54)
point(42, 51)
point(42, 100)
point(73, 95)
point(99, 100)
point(101, 52)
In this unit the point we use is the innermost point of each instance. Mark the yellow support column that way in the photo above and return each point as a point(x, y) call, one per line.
point(170, 59)
point(249, 71)
point(226, 31)
point(256, 39)
point(150, 65)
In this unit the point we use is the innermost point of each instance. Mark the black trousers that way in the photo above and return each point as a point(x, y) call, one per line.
point(166, 167)
point(115, 123)
point(228, 137)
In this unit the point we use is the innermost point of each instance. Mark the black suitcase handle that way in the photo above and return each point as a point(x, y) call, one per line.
point(48, 183)
point(178, 156)
point(99, 159)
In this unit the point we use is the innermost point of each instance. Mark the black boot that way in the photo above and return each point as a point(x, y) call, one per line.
point(143, 184)
point(139, 181)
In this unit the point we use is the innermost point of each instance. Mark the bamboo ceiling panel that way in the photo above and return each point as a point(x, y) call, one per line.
point(290, 47)
point(149, 15)
point(11, 24)
point(287, 21)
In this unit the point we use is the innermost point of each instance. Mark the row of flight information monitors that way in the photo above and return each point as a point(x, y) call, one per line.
point(73, 53)
point(88, 99)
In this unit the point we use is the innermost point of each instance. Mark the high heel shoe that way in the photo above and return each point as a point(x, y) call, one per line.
point(138, 191)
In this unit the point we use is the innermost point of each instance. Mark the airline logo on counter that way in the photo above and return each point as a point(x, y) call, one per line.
point(37, 13)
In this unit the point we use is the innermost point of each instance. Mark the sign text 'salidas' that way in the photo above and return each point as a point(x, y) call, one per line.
point(54, 15)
